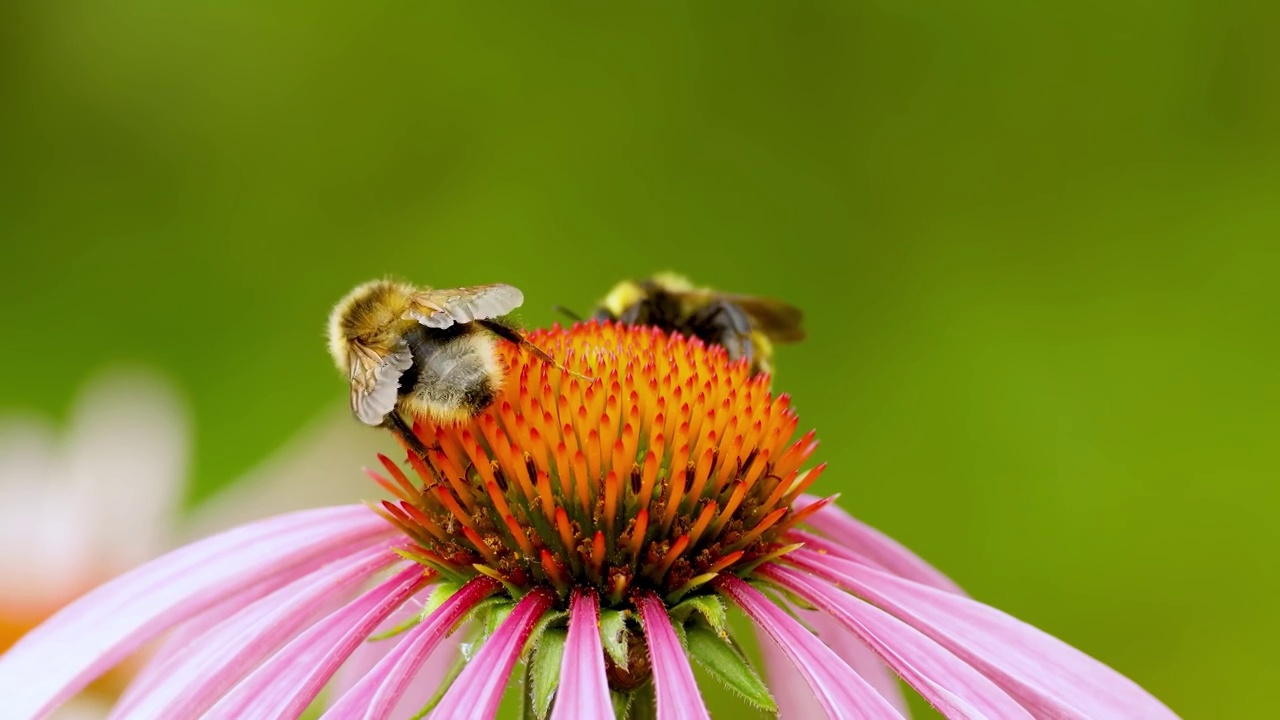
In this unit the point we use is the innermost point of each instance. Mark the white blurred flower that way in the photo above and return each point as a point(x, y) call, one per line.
point(102, 498)
point(82, 506)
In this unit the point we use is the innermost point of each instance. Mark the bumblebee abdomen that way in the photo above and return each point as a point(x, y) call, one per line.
point(455, 373)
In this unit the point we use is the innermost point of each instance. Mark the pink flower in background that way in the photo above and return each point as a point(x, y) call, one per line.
point(589, 537)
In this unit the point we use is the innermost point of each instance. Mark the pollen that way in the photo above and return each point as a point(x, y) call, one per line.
point(660, 468)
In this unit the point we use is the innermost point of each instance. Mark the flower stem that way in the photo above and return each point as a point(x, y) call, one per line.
point(643, 706)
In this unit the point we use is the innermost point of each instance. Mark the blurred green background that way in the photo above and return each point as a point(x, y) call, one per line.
point(1037, 247)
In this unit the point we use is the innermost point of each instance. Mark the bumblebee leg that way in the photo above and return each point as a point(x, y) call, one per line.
point(567, 313)
point(401, 429)
point(513, 335)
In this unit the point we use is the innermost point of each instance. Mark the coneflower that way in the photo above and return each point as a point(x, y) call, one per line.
point(593, 535)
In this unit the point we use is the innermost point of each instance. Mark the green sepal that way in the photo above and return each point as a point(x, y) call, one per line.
point(526, 704)
point(708, 606)
point(544, 669)
point(439, 594)
point(722, 659)
point(680, 635)
point(613, 635)
point(495, 617)
point(535, 635)
point(484, 618)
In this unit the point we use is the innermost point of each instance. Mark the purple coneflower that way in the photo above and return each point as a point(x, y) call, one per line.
point(591, 534)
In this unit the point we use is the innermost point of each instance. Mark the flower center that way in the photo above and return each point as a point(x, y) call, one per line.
point(673, 466)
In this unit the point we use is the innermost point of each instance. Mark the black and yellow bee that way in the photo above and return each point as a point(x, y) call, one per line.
point(745, 326)
point(412, 351)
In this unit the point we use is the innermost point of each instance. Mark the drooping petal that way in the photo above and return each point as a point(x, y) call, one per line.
point(862, 539)
point(423, 686)
point(376, 694)
point(478, 689)
point(791, 693)
point(673, 683)
point(841, 691)
point(948, 683)
point(180, 639)
point(57, 659)
point(193, 680)
point(861, 658)
point(288, 681)
point(1048, 676)
point(584, 689)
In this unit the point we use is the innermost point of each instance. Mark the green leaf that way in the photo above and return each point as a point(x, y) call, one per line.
point(709, 606)
point(722, 659)
point(613, 634)
point(544, 671)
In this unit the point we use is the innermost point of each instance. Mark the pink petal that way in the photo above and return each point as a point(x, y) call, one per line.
point(673, 684)
point(584, 689)
point(423, 686)
point(192, 681)
point(954, 688)
point(285, 684)
point(84, 639)
point(478, 689)
point(848, 532)
point(179, 640)
point(861, 658)
point(376, 694)
point(841, 691)
point(1049, 677)
point(792, 694)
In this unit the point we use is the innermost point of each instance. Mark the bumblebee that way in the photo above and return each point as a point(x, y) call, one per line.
point(410, 351)
point(745, 326)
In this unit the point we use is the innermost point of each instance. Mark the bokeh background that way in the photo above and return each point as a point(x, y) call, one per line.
point(1037, 248)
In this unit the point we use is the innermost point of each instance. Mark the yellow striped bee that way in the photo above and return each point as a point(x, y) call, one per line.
point(412, 351)
point(745, 326)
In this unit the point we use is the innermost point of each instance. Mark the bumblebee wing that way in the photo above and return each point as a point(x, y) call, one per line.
point(776, 319)
point(442, 308)
point(375, 384)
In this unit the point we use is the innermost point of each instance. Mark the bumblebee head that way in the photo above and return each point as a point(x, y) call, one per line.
point(369, 314)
